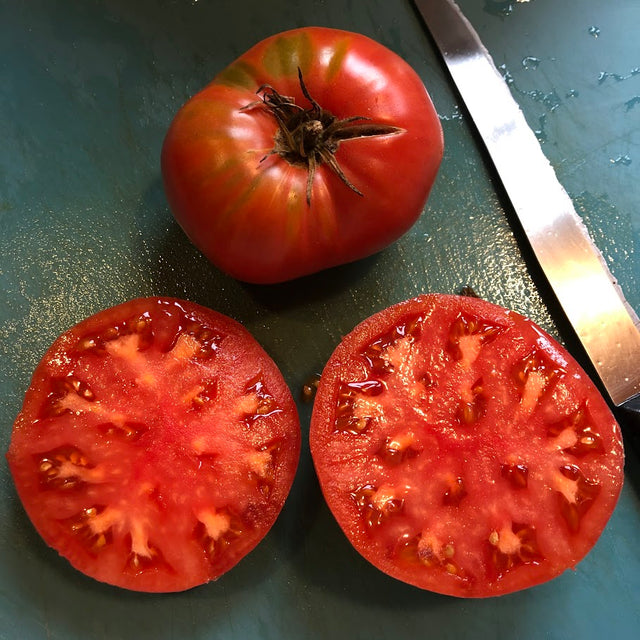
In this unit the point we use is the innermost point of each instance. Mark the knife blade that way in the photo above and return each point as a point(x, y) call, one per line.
point(588, 293)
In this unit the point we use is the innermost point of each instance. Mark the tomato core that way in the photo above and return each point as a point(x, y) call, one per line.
point(311, 137)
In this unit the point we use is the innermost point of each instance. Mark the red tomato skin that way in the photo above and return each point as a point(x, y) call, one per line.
point(248, 213)
point(153, 464)
point(344, 461)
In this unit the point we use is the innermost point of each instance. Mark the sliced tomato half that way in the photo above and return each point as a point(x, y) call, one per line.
point(156, 445)
point(462, 449)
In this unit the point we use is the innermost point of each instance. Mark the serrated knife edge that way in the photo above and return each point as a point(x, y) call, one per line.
point(592, 300)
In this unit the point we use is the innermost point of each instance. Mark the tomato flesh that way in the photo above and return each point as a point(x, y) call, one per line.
point(462, 449)
point(249, 208)
point(156, 445)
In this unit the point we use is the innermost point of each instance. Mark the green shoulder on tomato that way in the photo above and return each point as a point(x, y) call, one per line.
point(315, 148)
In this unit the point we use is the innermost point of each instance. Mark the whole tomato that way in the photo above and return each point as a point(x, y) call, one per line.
point(317, 147)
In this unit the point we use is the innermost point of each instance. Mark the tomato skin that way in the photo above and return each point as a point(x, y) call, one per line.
point(156, 445)
point(249, 214)
point(473, 466)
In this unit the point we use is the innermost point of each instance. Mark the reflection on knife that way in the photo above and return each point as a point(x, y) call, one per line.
point(604, 322)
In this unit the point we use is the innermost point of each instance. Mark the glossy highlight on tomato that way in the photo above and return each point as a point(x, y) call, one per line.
point(156, 445)
point(315, 148)
point(462, 449)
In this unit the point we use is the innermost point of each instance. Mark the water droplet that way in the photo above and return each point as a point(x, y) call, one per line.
point(499, 8)
point(624, 160)
point(594, 31)
point(506, 74)
point(605, 75)
point(456, 115)
point(530, 62)
point(541, 134)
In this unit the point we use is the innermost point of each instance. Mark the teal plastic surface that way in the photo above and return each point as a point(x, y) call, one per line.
point(87, 90)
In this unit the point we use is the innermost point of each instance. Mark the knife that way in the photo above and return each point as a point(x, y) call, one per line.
point(589, 295)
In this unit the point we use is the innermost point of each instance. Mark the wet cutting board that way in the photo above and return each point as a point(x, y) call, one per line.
point(87, 90)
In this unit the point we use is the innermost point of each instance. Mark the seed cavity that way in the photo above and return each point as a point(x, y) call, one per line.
point(375, 352)
point(355, 411)
point(259, 402)
point(216, 530)
point(65, 468)
point(513, 546)
point(430, 551)
point(201, 396)
point(207, 340)
point(139, 326)
point(472, 406)
point(150, 560)
point(533, 376)
point(576, 494)
point(68, 395)
point(128, 430)
point(576, 434)
point(394, 450)
point(376, 505)
point(93, 526)
point(454, 493)
point(467, 335)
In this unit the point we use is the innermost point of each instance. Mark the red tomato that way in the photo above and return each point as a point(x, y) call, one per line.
point(156, 445)
point(462, 450)
point(294, 180)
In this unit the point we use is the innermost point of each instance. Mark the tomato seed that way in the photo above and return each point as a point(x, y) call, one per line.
point(454, 495)
point(516, 474)
point(309, 388)
point(396, 449)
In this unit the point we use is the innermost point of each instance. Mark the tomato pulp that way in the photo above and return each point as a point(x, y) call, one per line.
point(462, 449)
point(315, 148)
point(156, 445)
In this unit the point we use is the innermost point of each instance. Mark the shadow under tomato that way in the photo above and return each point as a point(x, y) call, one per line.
point(179, 269)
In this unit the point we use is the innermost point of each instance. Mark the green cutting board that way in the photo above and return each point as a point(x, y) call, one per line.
point(87, 90)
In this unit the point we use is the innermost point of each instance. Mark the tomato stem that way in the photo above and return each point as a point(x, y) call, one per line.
point(310, 137)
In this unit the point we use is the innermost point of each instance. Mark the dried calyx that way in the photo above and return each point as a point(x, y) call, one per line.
point(311, 137)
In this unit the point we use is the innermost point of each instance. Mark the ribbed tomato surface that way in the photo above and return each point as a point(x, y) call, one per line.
point(246, 203)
